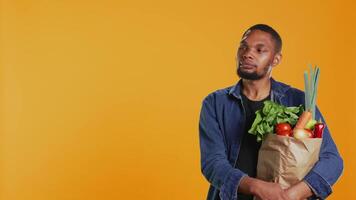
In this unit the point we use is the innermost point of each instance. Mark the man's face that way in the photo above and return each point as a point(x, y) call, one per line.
point(256, 55)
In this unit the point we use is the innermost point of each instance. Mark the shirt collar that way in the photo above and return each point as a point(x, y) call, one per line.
point(278, 89)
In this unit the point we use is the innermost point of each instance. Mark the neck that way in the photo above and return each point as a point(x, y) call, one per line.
point(256, 89)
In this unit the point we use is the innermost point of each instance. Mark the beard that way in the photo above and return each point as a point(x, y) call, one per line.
point(252, 75)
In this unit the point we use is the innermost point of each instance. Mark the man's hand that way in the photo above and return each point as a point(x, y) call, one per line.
point(299, 191)
point(262, 190)
point(270, 191)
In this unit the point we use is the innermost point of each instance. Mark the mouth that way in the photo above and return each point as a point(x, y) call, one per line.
point(247, 65)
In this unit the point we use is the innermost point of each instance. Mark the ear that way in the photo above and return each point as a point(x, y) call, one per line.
point(277, 59)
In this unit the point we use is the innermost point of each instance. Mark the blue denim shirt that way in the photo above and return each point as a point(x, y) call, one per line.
point(221, 128)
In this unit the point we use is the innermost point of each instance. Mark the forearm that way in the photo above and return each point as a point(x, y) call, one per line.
point(299, 191)
point(261, 189)
point(247, 184)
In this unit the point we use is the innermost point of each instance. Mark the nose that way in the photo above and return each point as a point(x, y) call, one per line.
point(246, 54)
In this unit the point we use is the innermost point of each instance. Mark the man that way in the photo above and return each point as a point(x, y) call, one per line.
point(229, 154)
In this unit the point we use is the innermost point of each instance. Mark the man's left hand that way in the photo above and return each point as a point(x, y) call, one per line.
point(299, 191)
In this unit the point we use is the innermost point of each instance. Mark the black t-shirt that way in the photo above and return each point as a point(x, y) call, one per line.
point(248, 154)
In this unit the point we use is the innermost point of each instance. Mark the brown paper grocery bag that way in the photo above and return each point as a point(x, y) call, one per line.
point(286, 160)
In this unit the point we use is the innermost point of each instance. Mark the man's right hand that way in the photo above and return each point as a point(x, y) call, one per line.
point(262, 190)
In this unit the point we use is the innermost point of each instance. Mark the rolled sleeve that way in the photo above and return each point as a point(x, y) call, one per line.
point(229, 189)
point(318, 185)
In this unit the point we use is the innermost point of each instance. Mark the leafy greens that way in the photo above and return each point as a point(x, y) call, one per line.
point(272, 114)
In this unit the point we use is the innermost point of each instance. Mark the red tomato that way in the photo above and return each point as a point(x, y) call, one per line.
point(285, 133)
point(283, 129)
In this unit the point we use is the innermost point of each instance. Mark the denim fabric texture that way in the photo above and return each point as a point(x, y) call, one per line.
point(221, 126)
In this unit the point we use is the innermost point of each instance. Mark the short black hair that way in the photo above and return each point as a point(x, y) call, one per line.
point(264, 27)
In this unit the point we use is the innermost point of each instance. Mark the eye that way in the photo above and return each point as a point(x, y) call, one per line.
point(261, 50)
point(242, 47)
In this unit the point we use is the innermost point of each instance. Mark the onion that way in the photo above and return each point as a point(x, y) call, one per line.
point(300, 133)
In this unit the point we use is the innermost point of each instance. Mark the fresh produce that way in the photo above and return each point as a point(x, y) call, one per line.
point(310, 125)
point(306, 126)
point(303, 120)
point(286, 133)
point(311, 82)
point(298, 122)
point(272, 114)
point(311, 86)
point(318, 130)
point(283, 129)
point(301, 133)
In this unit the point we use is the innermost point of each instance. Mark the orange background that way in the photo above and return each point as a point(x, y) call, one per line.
point(101, 99)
